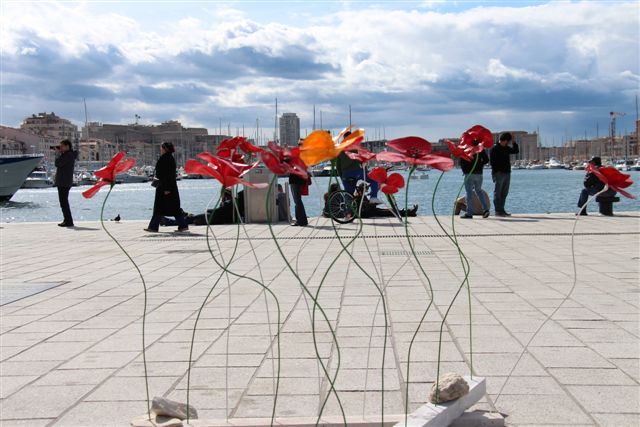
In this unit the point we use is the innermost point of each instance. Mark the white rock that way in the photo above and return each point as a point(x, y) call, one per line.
point(451, 386)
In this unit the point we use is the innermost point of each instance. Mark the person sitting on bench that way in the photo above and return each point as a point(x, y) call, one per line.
point(592, 186)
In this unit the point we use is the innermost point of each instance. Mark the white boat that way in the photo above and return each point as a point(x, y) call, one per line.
point(623, 165)
point(635, 166)
point(84, 178)
point(580, 166)
point(37, 179)
point(129, 178)
point(553, 163)
point(14, 170)
point(536, 166)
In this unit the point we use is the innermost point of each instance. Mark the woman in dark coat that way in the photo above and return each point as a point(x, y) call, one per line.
point(167, 201)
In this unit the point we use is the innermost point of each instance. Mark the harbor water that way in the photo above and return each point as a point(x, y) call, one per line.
point(532, 191)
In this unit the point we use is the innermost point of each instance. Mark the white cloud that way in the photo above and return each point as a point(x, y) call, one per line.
point(400, 63)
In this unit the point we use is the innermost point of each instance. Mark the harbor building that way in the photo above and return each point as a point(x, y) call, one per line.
point(289, 129)
point(50, 125)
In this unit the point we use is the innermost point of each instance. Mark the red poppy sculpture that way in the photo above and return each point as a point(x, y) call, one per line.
point(415, 151)
point(613, 178)
point(359, 153)
point(228, 173)
point(389, 184)
point(229, 148)
point(473, 141)
point(117, 165)
point(284, 161)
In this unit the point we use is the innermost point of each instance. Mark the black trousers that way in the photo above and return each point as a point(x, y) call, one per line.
point(63, 197)
point(301, 214)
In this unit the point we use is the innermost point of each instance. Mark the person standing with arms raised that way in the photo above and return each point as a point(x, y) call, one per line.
point(65, 162)
point(501, 171)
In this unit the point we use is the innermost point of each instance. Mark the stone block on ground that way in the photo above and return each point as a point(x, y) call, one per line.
point(451, 386)
point(169, 408)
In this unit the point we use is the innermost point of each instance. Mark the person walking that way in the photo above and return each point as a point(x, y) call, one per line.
point(501, 171)
point(472, 171)
point(65, 162)
point(167, 199)
point(297, 185)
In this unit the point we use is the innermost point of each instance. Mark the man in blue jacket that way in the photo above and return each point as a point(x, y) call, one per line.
point(501, 171)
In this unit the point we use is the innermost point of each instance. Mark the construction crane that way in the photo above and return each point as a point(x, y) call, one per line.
point(613, 115)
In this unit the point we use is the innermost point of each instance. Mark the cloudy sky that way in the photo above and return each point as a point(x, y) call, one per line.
point(427, 68)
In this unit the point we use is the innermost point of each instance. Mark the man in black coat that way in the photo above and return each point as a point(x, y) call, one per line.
point(297, 183)
point(167, 200)
point(65, 162)
point(501, 171)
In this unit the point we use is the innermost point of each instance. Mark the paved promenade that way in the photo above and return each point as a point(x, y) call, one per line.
point(72, 305)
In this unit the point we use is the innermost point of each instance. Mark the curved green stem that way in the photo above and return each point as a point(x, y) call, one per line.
point(467, 270)
point(144, 312)
point(573, 287)
point(224, 269)
point(384, 304)
point(315, 303)
point(424, 273)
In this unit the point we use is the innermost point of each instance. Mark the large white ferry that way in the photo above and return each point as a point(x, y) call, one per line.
point(14, 170)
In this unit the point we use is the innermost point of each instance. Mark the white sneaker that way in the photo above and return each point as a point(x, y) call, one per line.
point(375, 201)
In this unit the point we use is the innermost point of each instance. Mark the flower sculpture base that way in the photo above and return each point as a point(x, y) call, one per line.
point(443, 414)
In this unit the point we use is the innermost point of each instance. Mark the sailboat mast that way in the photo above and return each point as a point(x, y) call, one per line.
point(275, 124)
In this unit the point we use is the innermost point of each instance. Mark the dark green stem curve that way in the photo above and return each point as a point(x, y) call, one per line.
point(467, 270)
point(424, 273)
point(144, 312)
point(384, 304)
point(224, 270)
point(315, 303)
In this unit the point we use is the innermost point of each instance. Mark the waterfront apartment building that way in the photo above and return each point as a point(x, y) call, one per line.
point(50, 125)
point(18, 141)
point(143, 141)
point(289, 129)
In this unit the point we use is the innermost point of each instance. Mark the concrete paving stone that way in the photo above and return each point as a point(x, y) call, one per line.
point(582, 357)
point(293, 406)
point(608, 399)
point(512, 297)
point(102, 414)
point(100, 360)
point(60, 377)
point(591, 376)
point(532, 386)
point(28, 422)
point(617, 420)
point(51, 401)
point(51, 351)
point(130, 389)
point(11, 384)
point(299, 386)
point(205, 378)
point(541, 410)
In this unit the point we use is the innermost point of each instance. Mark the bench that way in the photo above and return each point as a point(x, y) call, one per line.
point(606, 202)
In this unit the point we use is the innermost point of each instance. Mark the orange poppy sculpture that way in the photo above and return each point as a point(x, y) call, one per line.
point(117, 165)
point(319, 146)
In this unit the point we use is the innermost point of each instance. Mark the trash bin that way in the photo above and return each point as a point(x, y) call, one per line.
point(254, 198)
